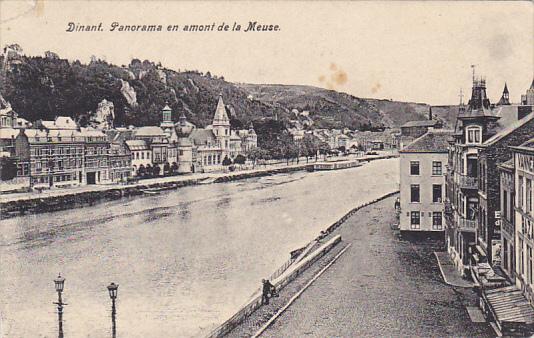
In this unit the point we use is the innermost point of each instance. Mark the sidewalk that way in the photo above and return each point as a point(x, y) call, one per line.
point(383, 285)
point(449, 272)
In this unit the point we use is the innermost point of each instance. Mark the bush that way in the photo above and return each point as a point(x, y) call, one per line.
point(240, 159)
point(8, 169)
point(226, 161)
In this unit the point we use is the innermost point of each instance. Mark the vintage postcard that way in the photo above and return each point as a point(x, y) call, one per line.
point(266, 168)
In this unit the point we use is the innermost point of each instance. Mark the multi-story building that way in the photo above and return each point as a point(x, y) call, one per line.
point(120, 158)
point(141, 156)
point(481, 138)
point(492, 152)
point(422, 182)
point(56, 157)
point(524, 217)
point(472, 128)
point(507, 218)
point(96, 156)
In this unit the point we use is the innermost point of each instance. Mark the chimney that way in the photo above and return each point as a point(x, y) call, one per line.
point(430, 114)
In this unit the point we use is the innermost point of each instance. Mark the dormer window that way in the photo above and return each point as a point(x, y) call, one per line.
point(474, 134)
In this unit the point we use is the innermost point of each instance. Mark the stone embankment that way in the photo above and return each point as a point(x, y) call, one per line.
point(316, 249)
point(30, 203)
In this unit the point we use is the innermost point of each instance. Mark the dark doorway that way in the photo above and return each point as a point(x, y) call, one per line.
point(91, 178)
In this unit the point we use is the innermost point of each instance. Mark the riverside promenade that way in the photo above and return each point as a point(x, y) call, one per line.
point(59, 199)
point(382, 285)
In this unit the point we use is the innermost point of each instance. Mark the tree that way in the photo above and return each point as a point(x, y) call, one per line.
point(324, 148)
point(166, 168)
point(174, 168)
point(8, 169)
point(149, 171)
point(141, 171)
point(156, 170)
point(226, 161)
point(310, 146)
point(240, 159)
point(255, 154)
point(289, 149)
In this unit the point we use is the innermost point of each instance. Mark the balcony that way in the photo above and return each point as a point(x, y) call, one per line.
point(468, 182)
point(466, 224)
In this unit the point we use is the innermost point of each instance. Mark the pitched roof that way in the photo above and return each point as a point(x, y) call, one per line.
point(528, 144)
point(220, 112)
point(421, 123)
point(508, 164)
point(8, 133)
point(509, 129)
point(434, 141)
point(136, 145)
point(149, 131)
point(91, 132)
point(202, 136)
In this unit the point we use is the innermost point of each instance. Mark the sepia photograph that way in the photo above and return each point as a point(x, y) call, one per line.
point(266, 168)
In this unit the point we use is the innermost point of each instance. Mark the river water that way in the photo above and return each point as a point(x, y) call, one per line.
point(185, 260)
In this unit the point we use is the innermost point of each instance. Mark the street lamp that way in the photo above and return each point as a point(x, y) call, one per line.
point(59, 283)
point(113, 289)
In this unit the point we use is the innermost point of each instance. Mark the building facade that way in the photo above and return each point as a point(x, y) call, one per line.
point(524, 217)
point(422, 182)
point(507, 218)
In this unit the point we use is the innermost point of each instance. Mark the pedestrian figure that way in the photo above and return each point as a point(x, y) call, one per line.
point(267, 291)
point(397, 203)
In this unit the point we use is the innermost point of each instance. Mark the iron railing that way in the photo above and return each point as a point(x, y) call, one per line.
point(468, 182)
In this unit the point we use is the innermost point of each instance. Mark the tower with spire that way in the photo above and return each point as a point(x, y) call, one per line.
point(221, 125)
point(505, 98)
point(528, 98)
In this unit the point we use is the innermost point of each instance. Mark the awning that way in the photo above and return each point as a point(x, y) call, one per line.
point(510, 308)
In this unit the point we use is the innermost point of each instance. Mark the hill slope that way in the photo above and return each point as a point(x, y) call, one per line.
point(45, 87)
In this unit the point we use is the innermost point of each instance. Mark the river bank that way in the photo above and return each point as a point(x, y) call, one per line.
point(33, 203)
point(381, 280)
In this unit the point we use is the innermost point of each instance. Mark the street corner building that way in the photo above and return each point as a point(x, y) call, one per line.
point(488, 204)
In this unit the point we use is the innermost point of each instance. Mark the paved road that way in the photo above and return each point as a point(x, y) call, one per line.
point(382, 286)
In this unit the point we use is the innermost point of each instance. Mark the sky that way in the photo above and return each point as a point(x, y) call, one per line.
point(406, 51)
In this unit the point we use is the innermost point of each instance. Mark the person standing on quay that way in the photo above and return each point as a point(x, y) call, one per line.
point(266, 291)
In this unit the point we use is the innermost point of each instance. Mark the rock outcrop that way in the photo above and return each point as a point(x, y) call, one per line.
point(104, 116)
point(129, 93)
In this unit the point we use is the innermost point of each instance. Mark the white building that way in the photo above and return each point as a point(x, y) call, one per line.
point(422, 182)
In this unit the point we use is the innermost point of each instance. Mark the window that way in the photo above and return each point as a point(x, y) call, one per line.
point(521, 258)
point(505, 205)
point(414, 193)
point(529, 195)
point(415, 220)
point(437, 220)
point(142, 155)
point(437, 168)
point(414, 168)
point(529, 264)
point(473, 134)
point(520, 196)
point(436, 193)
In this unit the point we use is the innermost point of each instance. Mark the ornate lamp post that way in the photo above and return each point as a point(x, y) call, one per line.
point(59, 283)
point(113, 289)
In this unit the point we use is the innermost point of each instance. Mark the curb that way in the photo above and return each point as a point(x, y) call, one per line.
point(445, 277)
point(297, 295)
